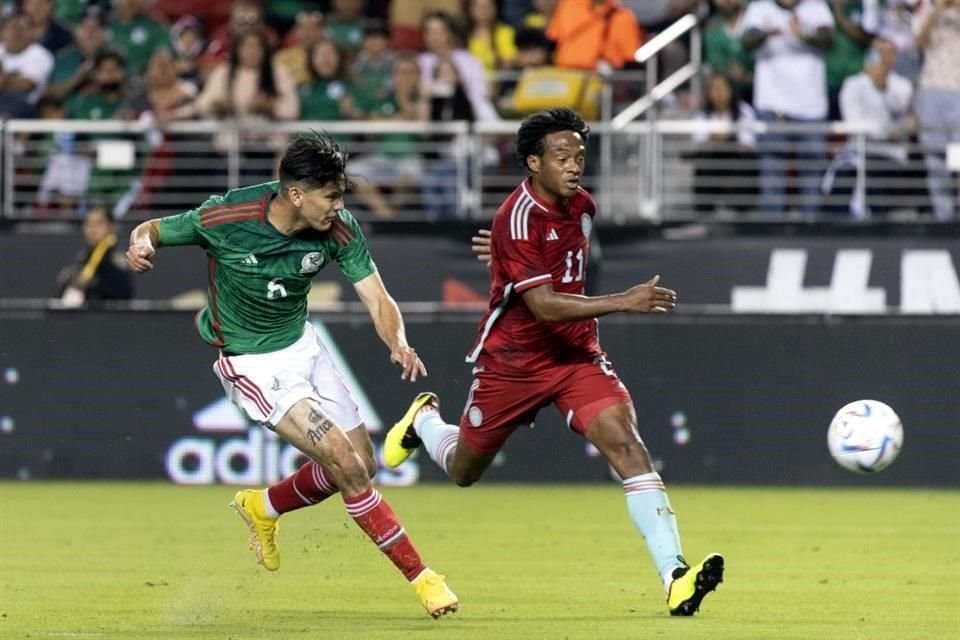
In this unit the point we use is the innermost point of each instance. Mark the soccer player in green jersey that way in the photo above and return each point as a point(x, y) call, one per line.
point(264, 245)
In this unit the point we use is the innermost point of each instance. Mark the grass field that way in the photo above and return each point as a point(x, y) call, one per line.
point(87, 560)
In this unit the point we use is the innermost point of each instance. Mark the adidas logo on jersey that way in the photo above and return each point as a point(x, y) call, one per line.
point(250, 259)
point(553, 235)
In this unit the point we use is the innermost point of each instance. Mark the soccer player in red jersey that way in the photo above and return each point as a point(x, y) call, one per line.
point(265, 243)
point(538, 345)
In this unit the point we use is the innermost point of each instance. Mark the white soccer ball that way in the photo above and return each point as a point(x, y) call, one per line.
point(865, 436)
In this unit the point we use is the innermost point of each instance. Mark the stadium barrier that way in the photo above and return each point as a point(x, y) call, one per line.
point(651, 171)
point(720, 399)
point(767, 274)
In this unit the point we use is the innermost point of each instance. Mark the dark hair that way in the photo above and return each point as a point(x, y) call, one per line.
point(109, 54)
point(268, 84)
point(530, 38)
point(339, 72)
point(376, 27)
point(734, 94)
point(451, 23)
point(537, 127)
point(102, 207)
point(314, 160)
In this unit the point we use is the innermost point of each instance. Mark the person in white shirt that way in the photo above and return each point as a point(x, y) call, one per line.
point(937, 28)
point(788, 39)
point(24, 67)
point(723, 158)
point(877, 96)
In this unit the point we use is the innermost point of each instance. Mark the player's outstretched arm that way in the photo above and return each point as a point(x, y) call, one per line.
point(389, 324)
point(548, 305)
point(144, 240)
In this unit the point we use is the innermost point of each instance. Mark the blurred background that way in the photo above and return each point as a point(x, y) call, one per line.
point(790, 167)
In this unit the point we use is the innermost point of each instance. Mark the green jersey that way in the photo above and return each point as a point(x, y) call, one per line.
point(259, 278)
point(845, 57)
point(137, 40)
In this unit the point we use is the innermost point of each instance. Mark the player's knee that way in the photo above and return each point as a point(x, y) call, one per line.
point(350, 473)
point(464, 481)
point(464, 478)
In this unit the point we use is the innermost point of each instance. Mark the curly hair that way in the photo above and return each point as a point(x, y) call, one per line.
point(535, 128)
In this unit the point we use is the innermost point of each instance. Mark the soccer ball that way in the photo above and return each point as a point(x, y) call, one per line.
point(865, 436)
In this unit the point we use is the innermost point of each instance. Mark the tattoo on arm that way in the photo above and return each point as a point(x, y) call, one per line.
point(321, 425)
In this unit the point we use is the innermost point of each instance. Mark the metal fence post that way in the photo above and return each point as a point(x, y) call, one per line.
point(7, 169)
point(462, 152)
point(648, 201)
point(860, 210)
point(233, 157)
point(606, 149)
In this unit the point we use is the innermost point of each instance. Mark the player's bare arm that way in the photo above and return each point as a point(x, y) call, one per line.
point(389, 324)
point(144, 240)
point(548, 305)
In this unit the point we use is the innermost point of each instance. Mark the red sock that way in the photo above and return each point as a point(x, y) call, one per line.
point(372, 514)
point(308, 485)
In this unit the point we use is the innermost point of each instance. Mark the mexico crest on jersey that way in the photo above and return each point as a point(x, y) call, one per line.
point(586, 223)
point(311, 262)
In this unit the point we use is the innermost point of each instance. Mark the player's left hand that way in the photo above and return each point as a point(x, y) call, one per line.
point(480, 245)
point(406, 357)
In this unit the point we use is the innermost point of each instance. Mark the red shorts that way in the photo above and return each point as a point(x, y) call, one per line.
point(499, 403)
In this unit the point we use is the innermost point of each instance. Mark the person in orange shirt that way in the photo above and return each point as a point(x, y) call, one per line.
point(589, 33)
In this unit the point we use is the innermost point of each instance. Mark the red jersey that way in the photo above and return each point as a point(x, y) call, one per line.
point(533, 243)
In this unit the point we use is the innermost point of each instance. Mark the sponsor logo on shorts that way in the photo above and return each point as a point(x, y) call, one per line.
point(475, 416)
point(311, 262)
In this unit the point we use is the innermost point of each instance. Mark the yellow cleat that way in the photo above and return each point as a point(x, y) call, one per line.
point(402, 440)
point(263, 529)
point(691, 584)
point(434, 594)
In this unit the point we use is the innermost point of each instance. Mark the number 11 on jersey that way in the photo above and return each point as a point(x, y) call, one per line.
point(568, 275)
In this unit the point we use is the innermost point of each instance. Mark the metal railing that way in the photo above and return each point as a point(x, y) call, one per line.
point(457, 170)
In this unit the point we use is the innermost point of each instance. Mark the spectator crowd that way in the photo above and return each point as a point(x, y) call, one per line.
point(894, 63)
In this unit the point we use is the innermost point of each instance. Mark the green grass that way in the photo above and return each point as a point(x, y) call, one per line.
point(90, 560)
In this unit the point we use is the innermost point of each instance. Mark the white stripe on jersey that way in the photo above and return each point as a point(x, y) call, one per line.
point(519, 217)
point(545, 276)
point(472, 357)
point(523, 185)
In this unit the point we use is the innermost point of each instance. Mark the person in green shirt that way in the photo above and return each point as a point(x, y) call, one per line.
point(134, 34)
point(396, 162)
point(345, 24)
point(722, 50)
point(371, 70)
point(72, 65)
point(328, 94)
point(264, 245)
point(851, 40)
point(104, 99)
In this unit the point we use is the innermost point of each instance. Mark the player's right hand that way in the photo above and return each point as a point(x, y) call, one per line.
point(480, 245)
point(140, 257)
point(649, 298)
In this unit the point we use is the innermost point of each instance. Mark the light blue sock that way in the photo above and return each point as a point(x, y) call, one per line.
point(650, 511)
point(439, 438)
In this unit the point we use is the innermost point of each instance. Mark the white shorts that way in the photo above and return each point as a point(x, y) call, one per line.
point(266, 385)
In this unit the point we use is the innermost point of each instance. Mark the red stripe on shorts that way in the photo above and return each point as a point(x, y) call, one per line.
point(253, 386)
point(244, 386)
